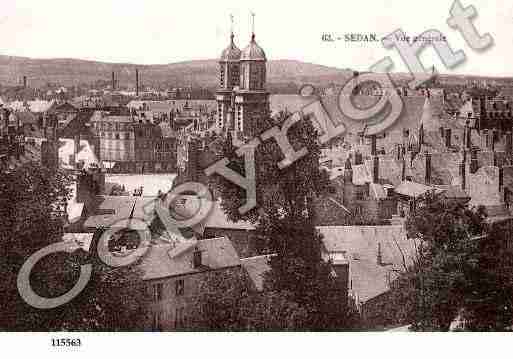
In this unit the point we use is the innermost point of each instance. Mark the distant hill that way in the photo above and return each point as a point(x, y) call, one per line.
point(203, 73)
point(283, 76)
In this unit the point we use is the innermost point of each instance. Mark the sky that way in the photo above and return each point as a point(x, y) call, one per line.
point(166, 31)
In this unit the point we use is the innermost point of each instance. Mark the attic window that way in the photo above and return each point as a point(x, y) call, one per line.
point(196, 261)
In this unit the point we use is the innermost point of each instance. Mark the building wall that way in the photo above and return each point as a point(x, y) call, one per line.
point(174, 311)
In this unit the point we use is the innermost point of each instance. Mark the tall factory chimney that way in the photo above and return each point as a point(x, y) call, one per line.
point(137, 82)
point(113, 81)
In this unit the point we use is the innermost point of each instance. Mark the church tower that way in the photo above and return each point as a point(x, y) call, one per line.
point(229, 77)
point(251, 98)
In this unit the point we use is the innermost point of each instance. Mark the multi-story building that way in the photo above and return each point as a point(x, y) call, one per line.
point(133, 145)
point(242, 98)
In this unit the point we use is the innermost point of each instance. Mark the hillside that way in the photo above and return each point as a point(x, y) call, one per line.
point(191, 73)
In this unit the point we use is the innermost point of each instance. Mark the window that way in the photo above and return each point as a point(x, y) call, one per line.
point(179, 317)
point(179, 287)
point(359, 196)
point(157, 323)
point(157, 292)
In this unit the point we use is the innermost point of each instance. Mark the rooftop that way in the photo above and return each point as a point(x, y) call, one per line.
point(167, 260)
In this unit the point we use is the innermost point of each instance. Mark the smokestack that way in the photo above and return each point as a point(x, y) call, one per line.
point(375, 170)
point(373, 145)
point(448, 137)
point(113, 81)
point(137, 82)
point(25, 82)
point(428, 168)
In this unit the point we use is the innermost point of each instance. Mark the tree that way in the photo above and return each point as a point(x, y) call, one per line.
point(227, 301)
point(285, 220)
point(32, 216)
point(462, 270)
point(221, 298)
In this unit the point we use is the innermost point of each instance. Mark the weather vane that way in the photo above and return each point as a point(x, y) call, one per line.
point(253, 23)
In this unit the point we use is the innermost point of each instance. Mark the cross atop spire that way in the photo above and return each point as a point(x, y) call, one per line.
point(252, 26)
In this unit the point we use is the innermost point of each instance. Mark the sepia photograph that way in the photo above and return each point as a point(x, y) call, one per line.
point(176, 169)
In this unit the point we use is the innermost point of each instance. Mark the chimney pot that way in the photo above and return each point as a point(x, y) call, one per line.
point(428, 168)
point(448, 134)
point(463, 175)
point(375, 172)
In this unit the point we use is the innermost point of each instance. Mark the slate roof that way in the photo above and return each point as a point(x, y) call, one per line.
point(167, 260)
point(412, 189)
point(361, 244)
point(256, 267)
point(216, 218)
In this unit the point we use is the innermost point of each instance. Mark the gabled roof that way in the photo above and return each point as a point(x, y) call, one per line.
point(256, 267)
point(167, 260)
point(216, 218)
point(361, 245)
point(412, 189)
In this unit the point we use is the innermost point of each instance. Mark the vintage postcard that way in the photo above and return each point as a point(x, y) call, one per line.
point(239, 166)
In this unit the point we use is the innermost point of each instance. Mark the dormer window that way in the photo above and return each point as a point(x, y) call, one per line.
point(197, 260)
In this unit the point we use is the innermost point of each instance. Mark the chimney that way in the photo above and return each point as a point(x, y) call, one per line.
point(379, 258)
point(137, 82)
point(501, 178)
point(484, 140)
point(358, 159)
point(399, 151)
point(428, 168)
point(113, 81)
point(468, 136)
point(373, 145)
point(197, 260)
point(24, 82)
point(473, 161)
point(76, 141)
point(375, 170)
point(509, 142)
point(403, 170)
point(448, 137)
point(463, 175)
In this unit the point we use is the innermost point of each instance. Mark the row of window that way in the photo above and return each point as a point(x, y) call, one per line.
point(113, 126)
point(158, 290)
point(117, 135)
point(179, 319)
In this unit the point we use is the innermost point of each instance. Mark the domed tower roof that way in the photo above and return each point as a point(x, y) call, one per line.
point(253, 51)
point(231, 53)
